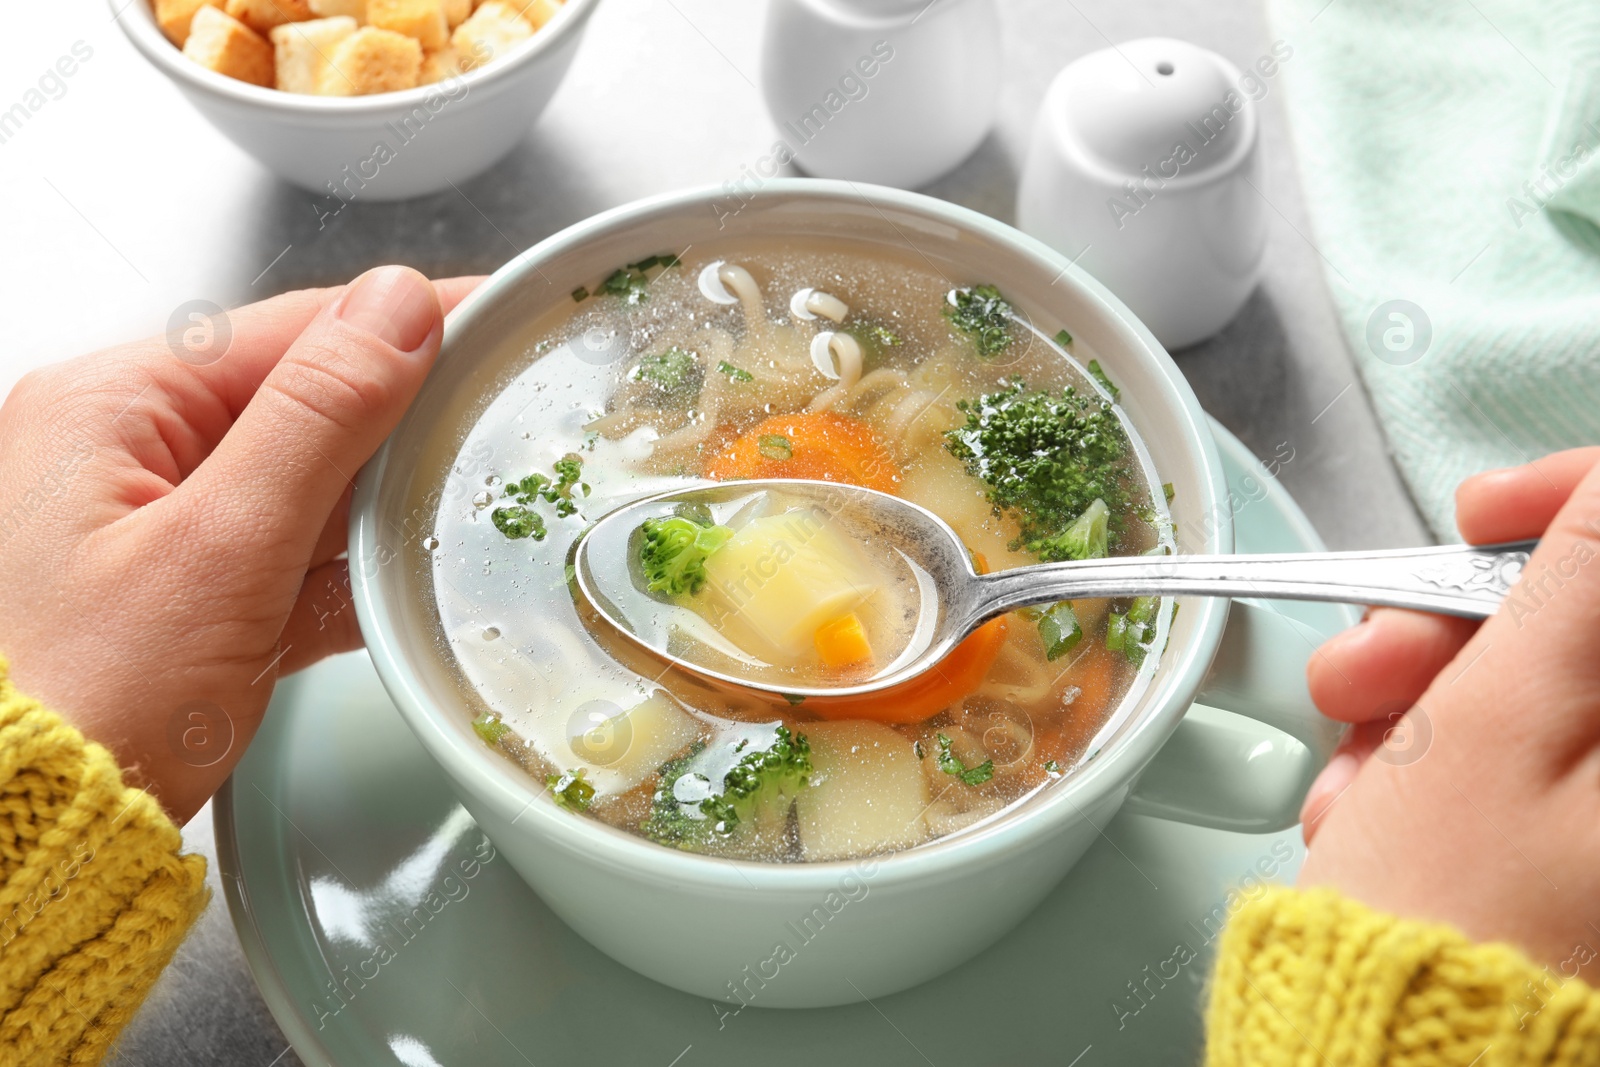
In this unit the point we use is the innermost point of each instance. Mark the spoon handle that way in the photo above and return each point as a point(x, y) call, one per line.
point(1467, 580)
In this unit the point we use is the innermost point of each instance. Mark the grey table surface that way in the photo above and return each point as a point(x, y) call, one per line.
point(121, 203)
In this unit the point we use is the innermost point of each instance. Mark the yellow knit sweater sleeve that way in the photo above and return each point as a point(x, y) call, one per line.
point(94, 897)
point(1311, 978)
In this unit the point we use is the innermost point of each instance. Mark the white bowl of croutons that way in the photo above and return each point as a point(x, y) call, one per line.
point(364, 99)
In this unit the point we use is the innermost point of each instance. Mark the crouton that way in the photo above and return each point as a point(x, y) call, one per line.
point(437, 66)
point(302, 50)
point(422, 19)
point(220, 42)
point(372, 61)
point(174, 16)
point(327, 9)
point(491, 33)
point(456, 11)
point(263, 15)
point(536, 12)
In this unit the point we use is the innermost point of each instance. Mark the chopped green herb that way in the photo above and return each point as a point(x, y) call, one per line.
point(1052, 768)
point(630, 282)
point(489, 727)
point(736, 373)
point(1116, 631)
point(571, 790)
point(631, 285)
point(1059, 629)
point(1140, 627)
point(984, 315)
point(949, 764)
point(775, 446)
point(1063, 338)
point(1105, 383)
point(517, 522)
point(1167, 491)
point(922, 753)
point(674, 371)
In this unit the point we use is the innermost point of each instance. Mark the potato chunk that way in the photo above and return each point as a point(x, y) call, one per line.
point(779, 578)
point(867, 791)
point(630, 744)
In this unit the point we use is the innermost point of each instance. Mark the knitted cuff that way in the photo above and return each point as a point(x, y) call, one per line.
point(1307, 977)
point(94, 897)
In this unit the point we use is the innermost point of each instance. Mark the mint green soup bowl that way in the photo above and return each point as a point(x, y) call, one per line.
point(814, 934)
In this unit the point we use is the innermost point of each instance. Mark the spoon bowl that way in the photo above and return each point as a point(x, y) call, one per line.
point(949, 599)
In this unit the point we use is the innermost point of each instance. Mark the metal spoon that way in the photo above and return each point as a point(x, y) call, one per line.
point(1454, 580)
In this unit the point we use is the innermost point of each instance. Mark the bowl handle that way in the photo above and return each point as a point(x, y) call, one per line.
point(1244, 755)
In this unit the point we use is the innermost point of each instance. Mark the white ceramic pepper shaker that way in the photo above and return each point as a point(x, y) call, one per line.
point(1144, 167)
point(894, 92)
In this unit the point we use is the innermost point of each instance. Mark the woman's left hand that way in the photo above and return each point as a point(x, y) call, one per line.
point(171, 518)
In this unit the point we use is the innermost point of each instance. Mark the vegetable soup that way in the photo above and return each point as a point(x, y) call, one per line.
point(806, 360)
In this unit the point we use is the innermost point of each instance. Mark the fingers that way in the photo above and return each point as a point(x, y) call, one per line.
point(1517, 503)
point(1386, 662)
point(261, 333)
point(1355, 748)
point(454, 290)
point(267, 490)
point(335, 536)
point(323, 620)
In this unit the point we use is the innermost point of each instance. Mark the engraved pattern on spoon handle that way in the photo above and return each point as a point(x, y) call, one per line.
point(1467, 580)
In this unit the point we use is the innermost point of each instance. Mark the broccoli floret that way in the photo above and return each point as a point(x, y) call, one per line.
point(674, 371)
point(1046, 459)
point(761, 785)
point(517, 522)
point(673, 553)
point(1087, 538)
point(984, 315)
point(671, 821)
point(758, 790)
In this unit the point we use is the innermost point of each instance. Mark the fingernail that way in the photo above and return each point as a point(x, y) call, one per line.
point(1334, 780)
point(395, 304)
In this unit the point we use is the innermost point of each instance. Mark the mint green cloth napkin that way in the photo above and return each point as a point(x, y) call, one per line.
point(1450, 152)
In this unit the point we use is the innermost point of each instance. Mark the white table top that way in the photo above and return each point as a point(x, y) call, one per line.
point(122, 203)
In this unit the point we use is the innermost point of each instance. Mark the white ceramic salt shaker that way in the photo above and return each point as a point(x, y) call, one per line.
point(1144, 168)
point(894, 92)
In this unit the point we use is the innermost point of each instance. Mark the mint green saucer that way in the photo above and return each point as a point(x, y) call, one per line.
point(382, 927)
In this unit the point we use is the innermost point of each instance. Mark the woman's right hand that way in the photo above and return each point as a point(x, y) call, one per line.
point(1468, 789)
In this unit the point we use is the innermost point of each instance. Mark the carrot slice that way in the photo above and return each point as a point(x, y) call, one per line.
point(823, 446)
point(842, 642)
point(924, 696)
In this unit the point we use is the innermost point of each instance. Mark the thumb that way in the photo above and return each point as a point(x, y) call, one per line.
point(261, 499)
